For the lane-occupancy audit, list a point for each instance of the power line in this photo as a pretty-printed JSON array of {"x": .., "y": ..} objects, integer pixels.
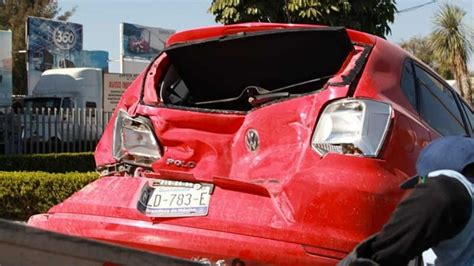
[{"x": 416, "y": 7}]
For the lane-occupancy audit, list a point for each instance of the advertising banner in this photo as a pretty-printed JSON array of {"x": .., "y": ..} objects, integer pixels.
[
  {"x": 95, "y": 59},
  {"x": 5, "y": 68},
  {"x": 134, "y": 66},
  {"x": 51, "y": 44},
  {"x": 141, "y": 44},
  {"x": 114, "y": 86}
]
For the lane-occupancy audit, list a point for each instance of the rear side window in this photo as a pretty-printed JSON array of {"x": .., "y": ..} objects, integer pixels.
[
  {"x": 407, "y": 83},
  {"x": 470, "y": 117},
  {"x": 437, "y": 105}
]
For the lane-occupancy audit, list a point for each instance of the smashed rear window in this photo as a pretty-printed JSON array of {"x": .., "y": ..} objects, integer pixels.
[{"x": 239, "y": 72}]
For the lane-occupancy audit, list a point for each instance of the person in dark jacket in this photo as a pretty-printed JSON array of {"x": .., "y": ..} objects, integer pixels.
[{"x": 438, "y": 214}]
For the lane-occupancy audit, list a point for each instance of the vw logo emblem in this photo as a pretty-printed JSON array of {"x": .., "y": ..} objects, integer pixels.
[{"x": 252, "y": 141}]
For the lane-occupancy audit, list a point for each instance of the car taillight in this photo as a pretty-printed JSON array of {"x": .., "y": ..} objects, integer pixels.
[
  {"x": 134, "y": 139},
  {"x": 352, "y": 126}
]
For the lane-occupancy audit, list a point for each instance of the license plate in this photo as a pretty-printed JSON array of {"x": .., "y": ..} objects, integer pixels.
[{"x": 169, "y": 198}]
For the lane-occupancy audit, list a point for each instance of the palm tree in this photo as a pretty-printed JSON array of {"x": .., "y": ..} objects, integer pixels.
[{"x": 450, "y": 42}]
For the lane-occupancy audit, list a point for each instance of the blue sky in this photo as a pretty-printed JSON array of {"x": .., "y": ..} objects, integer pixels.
[{"x": 101, "y": 19}]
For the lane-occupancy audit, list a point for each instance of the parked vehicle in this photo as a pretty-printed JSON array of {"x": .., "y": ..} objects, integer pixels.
[
  {"x": 57, "y": 92},
  {"x": 72, "y": 87},
  {"x": 1, "y": 74},
  {"x": 275, "y": 144}
]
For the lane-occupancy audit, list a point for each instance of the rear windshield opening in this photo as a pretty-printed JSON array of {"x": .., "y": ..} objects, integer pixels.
[{"x": 240, "y": 72}]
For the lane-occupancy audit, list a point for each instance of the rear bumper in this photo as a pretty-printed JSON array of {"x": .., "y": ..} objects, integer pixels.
[{"x": 185, "y": 242}]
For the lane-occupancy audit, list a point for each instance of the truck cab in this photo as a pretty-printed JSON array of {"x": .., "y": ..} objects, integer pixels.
[
  {"x": 58, "y": 95},
  {"x": 68, "y": 88}
]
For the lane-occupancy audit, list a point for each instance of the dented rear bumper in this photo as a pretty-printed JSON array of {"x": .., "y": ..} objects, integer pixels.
[{"x": 186, "y": 242}]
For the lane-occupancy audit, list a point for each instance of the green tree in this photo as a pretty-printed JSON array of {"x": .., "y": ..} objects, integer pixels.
[
  {"x": 422, "y": 48},
  {"x": 13, "y": 14},
  {"x": 450, "y": 42},
  {"x": 373, "y": 16}
]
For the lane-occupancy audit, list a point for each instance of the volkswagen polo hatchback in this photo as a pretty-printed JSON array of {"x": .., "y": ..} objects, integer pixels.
[{"x": 272, "y": 144}]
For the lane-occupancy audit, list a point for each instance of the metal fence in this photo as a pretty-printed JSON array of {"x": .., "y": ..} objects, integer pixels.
[{"x": 46, "y": 130}]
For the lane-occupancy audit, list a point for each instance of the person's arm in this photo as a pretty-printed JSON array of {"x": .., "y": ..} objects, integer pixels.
[{"x": 435, "y": 211}]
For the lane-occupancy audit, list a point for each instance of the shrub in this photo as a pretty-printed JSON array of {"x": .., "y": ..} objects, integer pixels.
[
  {"x": 52, "y": 163},
  {"x": 23, "y": 194}
]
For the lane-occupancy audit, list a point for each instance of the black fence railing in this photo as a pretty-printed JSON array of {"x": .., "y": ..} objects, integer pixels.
[{"x": 46, "y": 130}]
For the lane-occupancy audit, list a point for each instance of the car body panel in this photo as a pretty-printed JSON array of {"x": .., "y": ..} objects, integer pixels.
[
  {"x": 215, "y": 31},
  {"x": 281, "y": 203},
  {"x": 147, "y": 235}
]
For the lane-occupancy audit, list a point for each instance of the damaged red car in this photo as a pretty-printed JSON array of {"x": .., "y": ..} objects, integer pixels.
[{"x": 275, "y": 144}]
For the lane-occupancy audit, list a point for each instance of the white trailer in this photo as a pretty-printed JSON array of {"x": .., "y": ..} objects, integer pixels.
[
  {"x": 68, "y": 88},
  {"x": 60, "y": 96}
]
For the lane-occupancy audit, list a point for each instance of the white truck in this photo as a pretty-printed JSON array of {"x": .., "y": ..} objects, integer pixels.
[
  {"x": 63, "y": 107},
  {"x": 67, "y": 88}
]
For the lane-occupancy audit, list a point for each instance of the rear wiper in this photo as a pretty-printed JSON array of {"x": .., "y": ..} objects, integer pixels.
[
  {"x": 263, "y": 98},
  {"x": 257, "y": 95},
  {"x": 251, "y": 91}
]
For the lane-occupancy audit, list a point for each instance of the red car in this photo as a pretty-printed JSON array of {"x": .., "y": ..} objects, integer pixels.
[{"x": 275, "y": 144}]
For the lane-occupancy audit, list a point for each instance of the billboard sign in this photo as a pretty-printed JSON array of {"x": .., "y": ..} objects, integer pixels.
[
  {"x": 51, "y": 44},
  {"x": 114, "y": 86},
  {"x": 134, "y": 66},
  {"x": 141, "y": 44},
  {"x": 95, "y": 59},
  {"x": 5, "y": 68}
]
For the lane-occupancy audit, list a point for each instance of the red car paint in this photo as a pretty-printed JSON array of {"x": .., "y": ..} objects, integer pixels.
[{"x": 282, "y": 205}]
